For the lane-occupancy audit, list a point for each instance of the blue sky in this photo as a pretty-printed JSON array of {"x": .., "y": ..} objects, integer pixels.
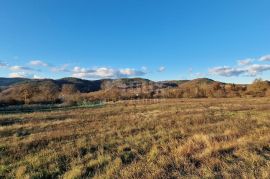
[{"x": 226, "y": 40}]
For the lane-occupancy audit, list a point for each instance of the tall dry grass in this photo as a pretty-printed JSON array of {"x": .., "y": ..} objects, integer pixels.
[{"x": 176, "y": 138}]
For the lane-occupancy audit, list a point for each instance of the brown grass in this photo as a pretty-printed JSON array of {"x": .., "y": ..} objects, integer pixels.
[{"x": 177, "y": 138}]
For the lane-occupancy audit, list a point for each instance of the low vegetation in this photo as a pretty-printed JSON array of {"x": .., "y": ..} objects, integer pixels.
[{"x": 169, "y": 138}]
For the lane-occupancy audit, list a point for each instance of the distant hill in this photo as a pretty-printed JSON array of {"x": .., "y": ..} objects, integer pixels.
[
  {"x": 198, "y": 81},
  {"x": 83, "y": 86},
  {"x": 20, "y": 90},
  {"x": 6, "y": 82},
  {"x": 86, "y": 86}
]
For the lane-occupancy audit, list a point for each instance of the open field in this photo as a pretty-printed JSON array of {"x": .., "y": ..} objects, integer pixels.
[
  {"x": 176, "y": 138},
  {"x": 45, "y": 108}
]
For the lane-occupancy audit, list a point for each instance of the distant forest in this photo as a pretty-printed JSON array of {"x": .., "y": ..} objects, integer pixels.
[{"x": 72, "y": 91}]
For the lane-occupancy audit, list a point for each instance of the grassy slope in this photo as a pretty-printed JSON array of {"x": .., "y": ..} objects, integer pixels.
[{"x": 173, "y": 138}]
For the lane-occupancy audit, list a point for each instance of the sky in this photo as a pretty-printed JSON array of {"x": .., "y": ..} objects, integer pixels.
[{"x": 226, "y": 40}]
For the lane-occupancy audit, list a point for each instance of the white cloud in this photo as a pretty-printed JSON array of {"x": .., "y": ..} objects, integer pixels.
[
  {"x": 22, "y": 74},
  {"x": 131, "y": 72},
  {"x": 21, "y": 68},
  {"x": 37, "y": 77},
  {"x": 17, "y": 75},
  {"x": 38, "y": 63},
  {"x": 244, "y": 62},
  {"x": 105, "y": 72},
  {"x": 256, "y": 69},
  {"x": 80, "y": 70},
  {"x": 265, "y": 58},
  {"x": 21, "y": 71},
  {"x": 127, "y": 71},
  {"x": 250, "y": 70},
  {"x": 226, "y": 71},
  {"x": 245, "y": 67},
  {"x": 161, "y": 69}
]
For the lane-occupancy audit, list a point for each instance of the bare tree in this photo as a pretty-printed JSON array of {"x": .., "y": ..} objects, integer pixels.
[
  {"x": 50, "y": 92},
  {"x": 258, "y": 88},
  {"x": 27, "y": 92}
]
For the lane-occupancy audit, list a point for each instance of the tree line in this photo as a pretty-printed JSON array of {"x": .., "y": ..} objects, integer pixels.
[{"x": 50, "y": 93}]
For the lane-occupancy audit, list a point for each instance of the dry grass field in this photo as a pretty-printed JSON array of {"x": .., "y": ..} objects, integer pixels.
[{"x": 176, "y": 138}]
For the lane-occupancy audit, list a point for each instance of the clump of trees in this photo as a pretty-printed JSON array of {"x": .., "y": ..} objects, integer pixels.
[
  {"x": 69, "y": 94},
  {"x": 258, "y": 88},
  {"x": 31, "y": 93}
]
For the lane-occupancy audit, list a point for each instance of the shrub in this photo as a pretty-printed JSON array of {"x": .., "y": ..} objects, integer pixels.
[{"x": 258, "y": 88}]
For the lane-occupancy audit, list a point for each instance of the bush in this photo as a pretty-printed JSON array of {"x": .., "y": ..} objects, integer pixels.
[{"x": 258, "y": 88}]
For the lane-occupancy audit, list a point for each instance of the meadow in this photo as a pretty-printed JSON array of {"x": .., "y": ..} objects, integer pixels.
[{"x": 172, "y": 138}]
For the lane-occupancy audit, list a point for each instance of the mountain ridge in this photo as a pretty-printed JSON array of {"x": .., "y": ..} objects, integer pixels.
[
  {"x": 23, "y": 90},
  {"x": 5, "y": 81}
]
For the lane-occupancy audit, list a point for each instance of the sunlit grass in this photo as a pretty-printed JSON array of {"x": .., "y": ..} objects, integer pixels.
[{"x": 171, "y": 138}]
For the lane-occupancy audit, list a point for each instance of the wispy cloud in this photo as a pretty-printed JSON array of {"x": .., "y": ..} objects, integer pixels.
[
  {"x": 53, "y": 68},
  {"x": 265, "y": 58},
  {"x": 21, "y": 68},
  {"x": 161, "y": 69},
  {"x": 38, "y": 63},
  {"x": 63, "y": 68},
  {"x": 21, "y": 71},
  {"x": 144, "y": 68},
  {"x": 244, "y": 62}
]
